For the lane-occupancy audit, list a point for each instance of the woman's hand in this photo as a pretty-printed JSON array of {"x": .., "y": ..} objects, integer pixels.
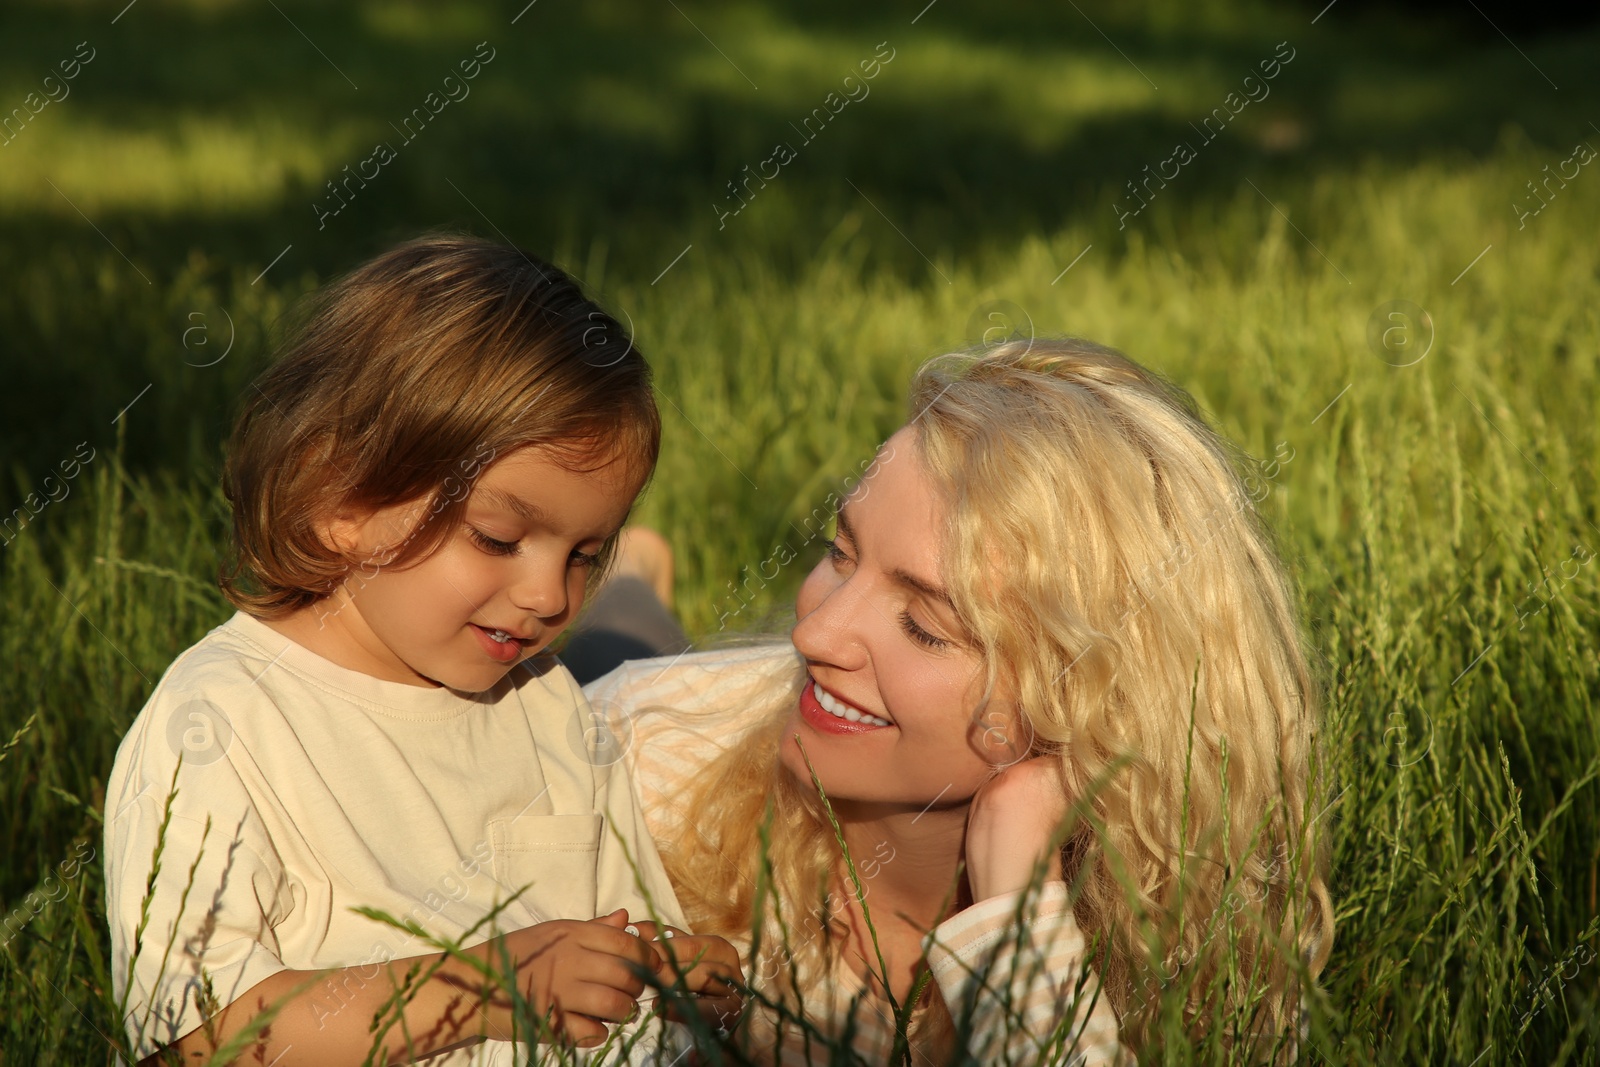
[{"x": 1013, "y": 817}]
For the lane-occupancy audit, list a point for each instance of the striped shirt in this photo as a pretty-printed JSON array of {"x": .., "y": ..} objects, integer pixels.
[{"x": 1010, "y": 969}]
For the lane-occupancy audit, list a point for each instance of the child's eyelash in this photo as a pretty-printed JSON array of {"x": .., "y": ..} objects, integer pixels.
[
  {"x": 510, "y": 548},
  {"x": 492, "y": 546},
  {"x": 918, "y": 634},
  {"x": 835, "y": 553}
]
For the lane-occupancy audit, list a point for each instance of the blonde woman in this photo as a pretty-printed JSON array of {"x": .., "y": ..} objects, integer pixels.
[{"x": 1051, "y": 609}]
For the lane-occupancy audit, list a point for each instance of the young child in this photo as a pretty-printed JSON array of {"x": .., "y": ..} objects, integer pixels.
[{"x": 423, "y": 487}]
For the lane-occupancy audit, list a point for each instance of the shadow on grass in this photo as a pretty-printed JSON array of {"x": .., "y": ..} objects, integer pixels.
[{"x": 140, "y": 212}]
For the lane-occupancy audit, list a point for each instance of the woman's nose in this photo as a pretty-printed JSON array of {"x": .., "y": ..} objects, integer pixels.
[{"x": 828, "y": 629}]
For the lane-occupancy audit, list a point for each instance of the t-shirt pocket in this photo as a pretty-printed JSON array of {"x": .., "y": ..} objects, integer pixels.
[{"x": 558, "y": 854}]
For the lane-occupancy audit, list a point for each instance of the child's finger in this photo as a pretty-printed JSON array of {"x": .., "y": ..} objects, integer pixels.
[
  {"x": 710, "y": 977},
  {"x": 612, "y": 972},
  {"x": 709, "y": 967},
  {"x": 650, "y": 934},
  {"x": 675, "y": 946},
  {"x": 705, "y": 955},
  {"x": 601, "y": 1001},
  {"x": 581, "y": 1029},
  {"x": 576, "y": 1026},
  {"x": 603, "y": 937}
]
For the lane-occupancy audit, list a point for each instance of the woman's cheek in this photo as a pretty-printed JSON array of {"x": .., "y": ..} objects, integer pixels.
[
  {"x": 941, "y": 741},
  {"x": 942, "y": 772}
]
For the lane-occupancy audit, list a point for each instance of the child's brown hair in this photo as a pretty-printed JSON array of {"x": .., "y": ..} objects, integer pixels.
[{"x": 407, "y": 377}]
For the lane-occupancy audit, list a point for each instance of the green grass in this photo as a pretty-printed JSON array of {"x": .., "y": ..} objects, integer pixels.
[{"x": 1432, "y": 511}]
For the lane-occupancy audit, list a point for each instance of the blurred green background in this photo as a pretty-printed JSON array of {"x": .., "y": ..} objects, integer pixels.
[
  {"x": 198, "y": 139},
  {"x": 162, "y": 215}
]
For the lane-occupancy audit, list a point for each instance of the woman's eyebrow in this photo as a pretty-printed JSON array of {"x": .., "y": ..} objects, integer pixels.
[
  {"x": 899, "y": 574},
  {"x": 923, "y": 586}
]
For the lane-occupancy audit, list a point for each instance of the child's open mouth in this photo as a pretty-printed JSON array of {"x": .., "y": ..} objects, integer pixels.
[{"x": 499, "y": 645}]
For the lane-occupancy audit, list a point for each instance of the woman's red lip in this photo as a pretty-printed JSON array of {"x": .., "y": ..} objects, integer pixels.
[{"x": 822, "y": 720}]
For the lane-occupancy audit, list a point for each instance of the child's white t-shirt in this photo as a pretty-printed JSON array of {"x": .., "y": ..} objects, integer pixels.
[{"x": 327, "y": 789}]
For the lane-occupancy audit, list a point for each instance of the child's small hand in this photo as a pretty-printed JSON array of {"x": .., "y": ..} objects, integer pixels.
[
  {"x": 709, "y": 967},
  {"x": 577, "y": 973}
]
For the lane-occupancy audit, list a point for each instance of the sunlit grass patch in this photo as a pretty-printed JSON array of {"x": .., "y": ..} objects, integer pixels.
[{"x": 188, "y": 161}]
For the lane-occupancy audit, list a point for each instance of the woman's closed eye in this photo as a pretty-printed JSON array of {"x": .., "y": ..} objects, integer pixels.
[
  {"x": 918, "y": 634},
  {"x": 835, "y": 553},
  {"x": 839, "y": 557}
]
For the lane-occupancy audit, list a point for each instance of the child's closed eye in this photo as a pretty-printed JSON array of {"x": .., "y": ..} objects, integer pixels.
[
  {"x": 491, "y": 545},
  {"x": 496, "y": 547}
]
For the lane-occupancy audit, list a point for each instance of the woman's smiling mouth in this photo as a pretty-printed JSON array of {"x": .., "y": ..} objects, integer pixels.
[{"x": 830, "y": 714}]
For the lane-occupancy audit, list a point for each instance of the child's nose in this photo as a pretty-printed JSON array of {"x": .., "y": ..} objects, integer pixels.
[{"x": 542, "y": 590}]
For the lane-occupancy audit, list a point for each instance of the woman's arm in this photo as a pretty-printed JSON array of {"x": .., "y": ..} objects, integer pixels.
[
  {"x": 1013, "y": 967},
  {"x": 1014, "y": 975}
]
